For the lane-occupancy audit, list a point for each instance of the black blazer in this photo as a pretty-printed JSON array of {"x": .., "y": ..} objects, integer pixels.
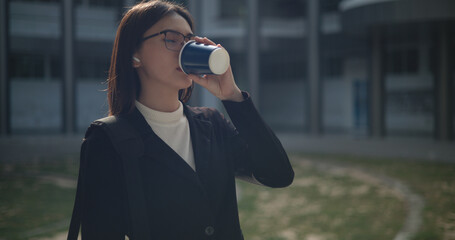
[{"x": 181, "y": 203}]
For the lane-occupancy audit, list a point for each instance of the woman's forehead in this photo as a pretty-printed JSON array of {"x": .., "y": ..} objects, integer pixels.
[{"x": 172, "y": 21}]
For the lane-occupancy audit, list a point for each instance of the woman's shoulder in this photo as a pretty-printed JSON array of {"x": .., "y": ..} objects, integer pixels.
[
  {"x": 96, "y": 139},
  {"x": 98, "y": 154}
]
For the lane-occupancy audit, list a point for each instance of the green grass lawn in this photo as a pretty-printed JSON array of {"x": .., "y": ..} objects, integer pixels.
[
  {"x": 434, "y": 181},
  {"x": 31, "y": 207},
  {"x": 321, "y": 206},
  {"x": 318, "y": 206}
]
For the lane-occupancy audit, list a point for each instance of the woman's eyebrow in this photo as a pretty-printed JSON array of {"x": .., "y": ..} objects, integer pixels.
[{"x": 168, "y": 29}]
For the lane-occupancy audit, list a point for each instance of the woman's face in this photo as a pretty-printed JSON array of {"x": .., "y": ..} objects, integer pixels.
[{"x": 159, "y": 66}]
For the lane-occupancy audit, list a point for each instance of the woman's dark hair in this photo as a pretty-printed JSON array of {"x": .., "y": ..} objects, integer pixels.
[{"x": 123, "y": 80}]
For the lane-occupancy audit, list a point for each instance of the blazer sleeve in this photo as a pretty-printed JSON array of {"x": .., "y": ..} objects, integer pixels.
[
  {"x": 103, "y": 202},
  {"x": 258, "y": 154}
]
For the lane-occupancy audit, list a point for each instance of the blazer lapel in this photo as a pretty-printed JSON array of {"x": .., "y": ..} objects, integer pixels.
[
  {"x": 201, "y": 137},
  {"x": 156, "y": 149}
]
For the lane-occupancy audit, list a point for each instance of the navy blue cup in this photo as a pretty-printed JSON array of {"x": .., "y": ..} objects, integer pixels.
[{"x": 199, "y": 58}]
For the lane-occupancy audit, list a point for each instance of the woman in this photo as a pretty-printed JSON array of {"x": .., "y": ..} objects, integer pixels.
[{"x": 191, "y": 154}]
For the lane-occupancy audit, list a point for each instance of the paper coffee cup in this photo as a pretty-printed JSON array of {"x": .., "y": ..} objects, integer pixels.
[{"x": 199, "y": 58}]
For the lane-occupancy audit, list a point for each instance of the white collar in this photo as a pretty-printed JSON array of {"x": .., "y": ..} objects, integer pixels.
[{"x": 160, "y": 117}]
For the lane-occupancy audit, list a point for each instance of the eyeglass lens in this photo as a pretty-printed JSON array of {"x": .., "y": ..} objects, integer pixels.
[{"x": 174, "y": 41}]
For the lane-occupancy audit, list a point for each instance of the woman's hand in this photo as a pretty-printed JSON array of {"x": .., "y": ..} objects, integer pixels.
[{"x": 222, "y": 86}]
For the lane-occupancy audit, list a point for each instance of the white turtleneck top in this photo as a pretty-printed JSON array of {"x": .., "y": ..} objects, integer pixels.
[{"x": 173, "y": 129}]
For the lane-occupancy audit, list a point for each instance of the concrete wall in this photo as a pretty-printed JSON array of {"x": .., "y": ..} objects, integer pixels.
[
  {"x": 37, "y": 105},
  {"x": 91, "y": 100},
  {"x": 283, "y": 104}
]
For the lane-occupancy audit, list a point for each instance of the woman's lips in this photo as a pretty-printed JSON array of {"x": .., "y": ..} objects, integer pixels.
[{"x": 179, "y": 69}]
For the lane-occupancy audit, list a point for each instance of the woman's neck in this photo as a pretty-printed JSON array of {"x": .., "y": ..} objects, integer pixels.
[{"x": 159, "y": 98}]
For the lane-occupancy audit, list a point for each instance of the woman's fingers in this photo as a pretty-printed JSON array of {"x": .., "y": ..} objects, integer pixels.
[
  {"x": 211, "y": 83},
  {"x": 198, "y": 39},
  {"x": 209, "y": 41},
  {"x": 204, "y": 40}
]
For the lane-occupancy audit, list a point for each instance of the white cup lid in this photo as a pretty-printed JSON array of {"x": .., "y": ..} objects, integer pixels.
[{"x": 219, "y": 61}]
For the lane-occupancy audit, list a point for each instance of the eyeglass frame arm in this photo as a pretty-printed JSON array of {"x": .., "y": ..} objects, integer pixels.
[{"x": 165, "y": 31}]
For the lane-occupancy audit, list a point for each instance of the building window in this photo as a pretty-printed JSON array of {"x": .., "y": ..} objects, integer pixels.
[
  {"x": 35, "y": 67},
  {"x": 98, "y": 3},
  {"x": 329, "y": 5},
  {"x": 402, "y": 61},
  {"x": 283, "y": 9},
  {"x": 92, "y": 68},
  {"x": 29, "y": 66},
  {"x": 233, "y": 9},
  {"x": 332, "y": 67},
  {"x": 287, "y": 9},
  {"x": 280, "y": 66},
  {"x": 37, "y": 1}
]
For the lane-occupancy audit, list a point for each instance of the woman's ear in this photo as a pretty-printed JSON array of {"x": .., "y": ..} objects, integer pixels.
[{"x": 136, "y": 62}]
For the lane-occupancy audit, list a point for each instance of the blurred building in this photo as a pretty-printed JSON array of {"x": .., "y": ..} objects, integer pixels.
[{"x": 379, "y": 68}]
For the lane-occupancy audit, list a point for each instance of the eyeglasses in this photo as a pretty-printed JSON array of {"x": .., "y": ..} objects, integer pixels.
[{"x": 173, "y": 40}]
